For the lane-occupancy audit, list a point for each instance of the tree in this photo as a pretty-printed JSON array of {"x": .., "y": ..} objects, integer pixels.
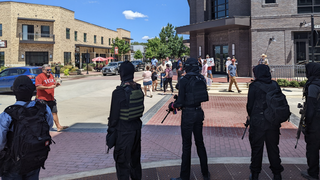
[
  {"x": 123, "y": 47},
  {"x": 153, "y": 46},
  {"x": 149, "y": 54},
  {"x": 163, "y": 52},
  {"x": 138, "y": 55}
]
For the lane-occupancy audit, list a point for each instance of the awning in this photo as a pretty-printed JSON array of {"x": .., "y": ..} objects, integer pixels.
[
  {"x": 216, "y": 25},
  {"x": 85, "y": 45}
]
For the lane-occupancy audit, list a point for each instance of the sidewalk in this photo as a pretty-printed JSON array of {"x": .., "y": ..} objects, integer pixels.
[{"x": 79, "y": 155}]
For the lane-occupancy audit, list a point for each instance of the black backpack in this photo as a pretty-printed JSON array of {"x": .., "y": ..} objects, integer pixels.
[
  {"x": 28, "y": 145},
  {"x": 196, "y": 90},
  {"x": 278, "y": 110}
]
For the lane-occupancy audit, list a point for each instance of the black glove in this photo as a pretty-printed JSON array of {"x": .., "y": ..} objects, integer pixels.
[{"x": 170, "y": 107}]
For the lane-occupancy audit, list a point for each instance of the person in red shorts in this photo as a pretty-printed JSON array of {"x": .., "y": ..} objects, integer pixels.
[{"x": 45, "y": 84}]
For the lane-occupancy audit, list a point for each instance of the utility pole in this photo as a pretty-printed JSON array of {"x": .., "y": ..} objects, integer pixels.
[{"x": 311, "y": 39}]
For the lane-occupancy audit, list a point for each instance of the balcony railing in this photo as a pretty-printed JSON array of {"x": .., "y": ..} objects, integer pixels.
[{"x": 36, "y": 38}]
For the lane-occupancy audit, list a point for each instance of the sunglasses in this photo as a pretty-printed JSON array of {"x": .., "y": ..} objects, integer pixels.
[{"x": 48, "y": 70}]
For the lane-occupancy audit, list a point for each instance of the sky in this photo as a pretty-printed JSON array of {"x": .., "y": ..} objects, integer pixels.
[{"x": 144, "y": 18}]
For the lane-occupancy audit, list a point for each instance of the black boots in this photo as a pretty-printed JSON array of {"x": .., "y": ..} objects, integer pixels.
[
  {"x": 277, "y": 177},
  {"x": 254, "y": 176}
]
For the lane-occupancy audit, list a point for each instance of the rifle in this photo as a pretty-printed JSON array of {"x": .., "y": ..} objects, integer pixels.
[
  {"x": 302, "y": 123},
  {"x": 168, "y": 110},
  {"x": 246, "y": 125}
]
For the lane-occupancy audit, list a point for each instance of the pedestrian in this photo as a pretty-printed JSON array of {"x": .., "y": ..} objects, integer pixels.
[
  {"x": 189, "y": 100},
  {"x": 204, "y": 70},
  {"x": 154, "y": 61},
  {"x": 210, "y": 63},
  {"x": 154, "y": 78},
  {"x": 45, "y": 85},
  {"x": 227, "y": 65},
  {"x": 263, "y": 60},
  {"x": 200, "y": 64},
  {"x": 161, "y": 68},
  {"x": 262, "y": 130},
  {"x": 169, "y": 75},
  {"x": 147, "y": 81},
  {"x": 14, "y": 132},
  {"x": 124, "y": 126},
  {"x": 312, "y": 117},
  {"x": 168, "y": 61},
  {"x": 180, "y": 72},
  {"x": 57, "y": 72},
  {"x": 232, "y": 72}
]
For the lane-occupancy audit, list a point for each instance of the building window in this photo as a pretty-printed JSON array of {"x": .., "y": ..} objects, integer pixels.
[
  {"x": 1, "y": 59},
  {"x": 0, "y": 29},
  {"x": 67, "y": 58},
  {"x": 45, "y": 31},
  {"x": 270, "y": 1},
  {"x": 303, "y": 48},
  {"x": 308, "y": 6},
  {"x": 109, "y": 41},
  {"x": 85, "y": 37},
  {"x": 95, "y": 39},
  {"x": 76, "y": 36},
  {"x": 68, "y": 33},
  {"x": 220, "y": 9},
  {"x": 101, "y": 40}
]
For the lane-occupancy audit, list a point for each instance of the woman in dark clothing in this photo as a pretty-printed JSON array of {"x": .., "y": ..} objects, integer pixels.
[
  {"x": 168, "y": 77},
  {"x": 261, "y": 130}
]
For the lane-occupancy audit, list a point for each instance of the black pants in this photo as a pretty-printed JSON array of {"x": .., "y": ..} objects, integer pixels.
[
  {"x": 192, "y": 122},
  {"x": 257, "y": 139},
  {"x": 313, "y": 146},
  {"x": 127, "y": 155},
  {"x": 168, "y": 80},
  {"x": 227, "y": 77}
]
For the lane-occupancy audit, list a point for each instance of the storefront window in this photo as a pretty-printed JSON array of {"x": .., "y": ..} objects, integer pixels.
[
  {"x": 270, "y": 1},
  {"x": 1, "y": 59},
  {"x": 45, "y": 31},
  {"x": 220, "y": 9},
  {"x": 308, "y": 6},
  {"x": 67, "y": 58}
]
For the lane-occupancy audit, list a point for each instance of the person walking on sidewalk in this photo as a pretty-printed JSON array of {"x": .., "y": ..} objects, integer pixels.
[
  {"x": 57, "y": 72},
  {"x": 227, "y": 66},
  {"x": 154, "y": 78},
  {"x": 161, "y": 68},
  {"x": 45, "y": 85},
  {"x": 262, "y": 130},
  {"x": 312, "y": 119},
  {"x": 232, "y": 72},
  {"x": 169, "y": 75},
  {"x": 124, "y": 126},
  {"x": 147, "y": 81},
  {"x": 23, "y": 89},
  {"x": 192, "y": 91}
]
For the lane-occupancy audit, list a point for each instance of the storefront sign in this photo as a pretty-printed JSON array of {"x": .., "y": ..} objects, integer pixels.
[
  {"x": 3, "y": 44},
  {"x": 116, "y": 50}
]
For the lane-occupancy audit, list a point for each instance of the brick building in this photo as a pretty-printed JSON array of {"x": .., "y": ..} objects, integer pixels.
[
  {"x": 33, "y": 34},
  {"x": 248, "y": 28}
]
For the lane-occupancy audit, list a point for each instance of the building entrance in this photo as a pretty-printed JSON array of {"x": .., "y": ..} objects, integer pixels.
[
  {"x": 36, "y": 58},
  {"x": 220, "y": 57}
]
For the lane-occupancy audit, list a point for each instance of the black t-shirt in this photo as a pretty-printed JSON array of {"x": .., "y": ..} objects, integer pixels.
[
  {"x": 57, "y": 70},
  {"x": 154, "y": 76},
  {"x": 180, "y": 72}
]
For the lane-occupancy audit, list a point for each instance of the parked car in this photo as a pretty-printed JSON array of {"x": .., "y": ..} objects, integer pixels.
[
  {"x": 8, "y": 76},
  {"x": 111, "y": 68},
  {"x": 138, "y": 64}
]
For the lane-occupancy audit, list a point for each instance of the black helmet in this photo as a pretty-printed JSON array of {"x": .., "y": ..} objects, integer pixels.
[
  {"x": 126, "y": 71},
  {"x": 23, "y": 88},
  {"x": 191, "y": 65}
]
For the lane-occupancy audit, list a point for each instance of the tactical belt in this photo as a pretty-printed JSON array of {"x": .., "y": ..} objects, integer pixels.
[{"x": 191, "y": 108}]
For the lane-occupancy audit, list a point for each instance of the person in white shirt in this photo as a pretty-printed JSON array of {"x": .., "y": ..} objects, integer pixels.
[
  {"x": 168, "y": 62},
  {"x": 227, "y": 65}
]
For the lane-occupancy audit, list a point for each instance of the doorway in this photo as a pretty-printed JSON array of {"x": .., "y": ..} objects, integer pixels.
[
  {"x": 36, "y": 58},
  {"x": 27, "y": 32},
  {"x": 220, "y": 57}
]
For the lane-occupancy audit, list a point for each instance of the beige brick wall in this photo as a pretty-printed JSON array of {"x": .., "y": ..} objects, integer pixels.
[{"x": 63, "y": 19}]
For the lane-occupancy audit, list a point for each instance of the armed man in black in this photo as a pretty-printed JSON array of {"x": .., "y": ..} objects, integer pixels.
[
  {"x": 262, "y": 130},
  {"x": 192, "y": 91},
  {"x": 124, "y": 126},
  {"x": 312, "y": 118}
]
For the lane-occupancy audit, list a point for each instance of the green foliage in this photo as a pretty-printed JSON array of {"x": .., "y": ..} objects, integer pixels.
[
  {"x": 90, "y": 67},
  {"x": 163, "y": 51},
  {"x": 149, "y": 53},
  {"x": 302, "y": 83},
  {"x": 3, "y": 68},
  {"x": 66, "y": 72},
  {"x": 294, "y": 84},
  {"x": 123, "y": 47},
  {"x": 283, "y": 82},
  {"x": 138, "y": 55},
  {"x": 138, "y": 43}
]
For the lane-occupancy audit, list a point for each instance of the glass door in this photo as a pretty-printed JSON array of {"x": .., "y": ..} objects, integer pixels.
[{"x": 220, "y": 57}]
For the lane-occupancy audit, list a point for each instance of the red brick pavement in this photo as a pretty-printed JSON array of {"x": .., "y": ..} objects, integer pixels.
[{"x": 223, "y": 128}]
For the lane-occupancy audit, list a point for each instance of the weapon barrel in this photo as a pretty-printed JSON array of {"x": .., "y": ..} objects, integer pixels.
[{"x": 165, "y": 116}]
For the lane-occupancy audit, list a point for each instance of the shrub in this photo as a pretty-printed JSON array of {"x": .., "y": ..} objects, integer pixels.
[
  {"x": 66, "y": 72},
  {"x": 85, "y": 67},
  {"x": 286, "y": 83},
  {"x": 280, "y": 82},
  {"x": 302, "y": 83},
  {"x": 294, "y": 84},
  {"x": 3, "y": 68}
]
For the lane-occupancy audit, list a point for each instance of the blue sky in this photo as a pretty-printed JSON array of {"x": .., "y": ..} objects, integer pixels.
[{"x": 144, "y": 18}]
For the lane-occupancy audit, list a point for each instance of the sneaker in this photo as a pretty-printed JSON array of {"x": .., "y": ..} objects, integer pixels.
[
  {"x": 230, "y": 91},
  {"x": 307, "y": 176},
  {"x": 277, "y": 177},
  {"x": 207, "y": 177},
  {"x": 239, "y": 91},
  {"x": 151, "y": 96}
]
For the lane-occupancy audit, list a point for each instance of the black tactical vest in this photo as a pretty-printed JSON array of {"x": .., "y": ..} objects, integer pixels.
[{"x": 134, "y": 107}]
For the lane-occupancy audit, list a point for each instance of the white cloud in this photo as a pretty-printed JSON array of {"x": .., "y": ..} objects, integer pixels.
[
  {"x": 128, "y": 14},
  {"x": 146, "y": 37},
  {"x": 146, "y": 19}
]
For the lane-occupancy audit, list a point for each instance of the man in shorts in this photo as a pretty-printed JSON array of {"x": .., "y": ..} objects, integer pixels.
[{"x": 45, "y": 85}]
